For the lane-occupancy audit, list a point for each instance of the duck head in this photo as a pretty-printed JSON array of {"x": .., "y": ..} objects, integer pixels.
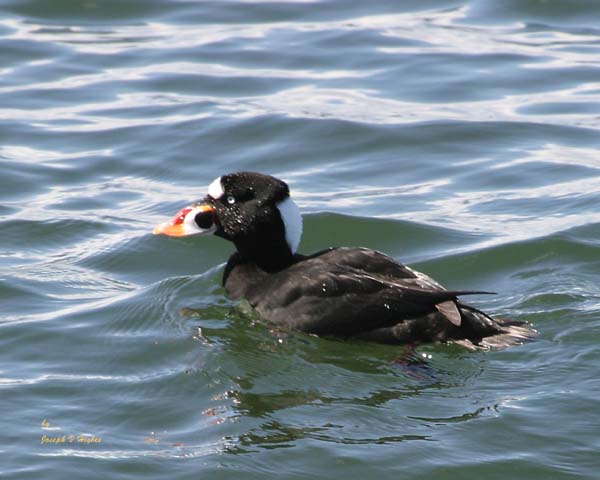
[{"x": 252, "y": 210}]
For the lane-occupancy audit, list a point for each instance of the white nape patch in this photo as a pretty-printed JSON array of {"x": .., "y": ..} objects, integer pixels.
[
  {"x": 215, "y": 189},
  {"x": 292, "y": 221}
]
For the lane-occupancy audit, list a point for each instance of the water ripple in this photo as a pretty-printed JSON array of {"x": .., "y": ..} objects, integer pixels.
[{"x": 460, "y": 137}]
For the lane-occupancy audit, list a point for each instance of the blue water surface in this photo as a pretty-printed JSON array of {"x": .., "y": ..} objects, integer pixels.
[{"x": 461, "y": 137}]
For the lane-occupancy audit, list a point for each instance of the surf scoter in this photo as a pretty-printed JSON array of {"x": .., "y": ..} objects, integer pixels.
[{"x": 345, "y": 292}]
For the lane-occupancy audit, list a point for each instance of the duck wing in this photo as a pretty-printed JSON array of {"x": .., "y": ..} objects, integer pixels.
[{"x": 348, "y": 291}]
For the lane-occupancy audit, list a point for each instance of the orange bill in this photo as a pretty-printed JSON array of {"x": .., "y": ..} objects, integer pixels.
[{"x": 176, "y": 227}]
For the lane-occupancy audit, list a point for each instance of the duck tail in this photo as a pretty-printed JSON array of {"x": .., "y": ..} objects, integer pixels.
[
  {"x": 487, "y": 333},
  {"x": 515, "y": 333}
]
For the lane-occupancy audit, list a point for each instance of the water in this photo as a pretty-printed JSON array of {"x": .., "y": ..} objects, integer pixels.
[{"x": 459, "y": 137}]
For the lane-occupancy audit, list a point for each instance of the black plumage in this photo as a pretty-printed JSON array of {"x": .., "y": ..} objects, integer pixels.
[{"x": 345, "y": 292}]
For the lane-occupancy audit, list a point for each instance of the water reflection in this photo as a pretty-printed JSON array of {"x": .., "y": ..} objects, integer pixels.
[{"x": 281, "y": 382}]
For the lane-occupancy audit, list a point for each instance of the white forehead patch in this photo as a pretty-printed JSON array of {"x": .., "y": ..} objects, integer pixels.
[
  {"x": 292, "y": 220},
  {"x": 215, "y": 189}
]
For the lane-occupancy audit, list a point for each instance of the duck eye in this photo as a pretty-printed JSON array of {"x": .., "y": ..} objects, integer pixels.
[{"x": 230, "y": 199}]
